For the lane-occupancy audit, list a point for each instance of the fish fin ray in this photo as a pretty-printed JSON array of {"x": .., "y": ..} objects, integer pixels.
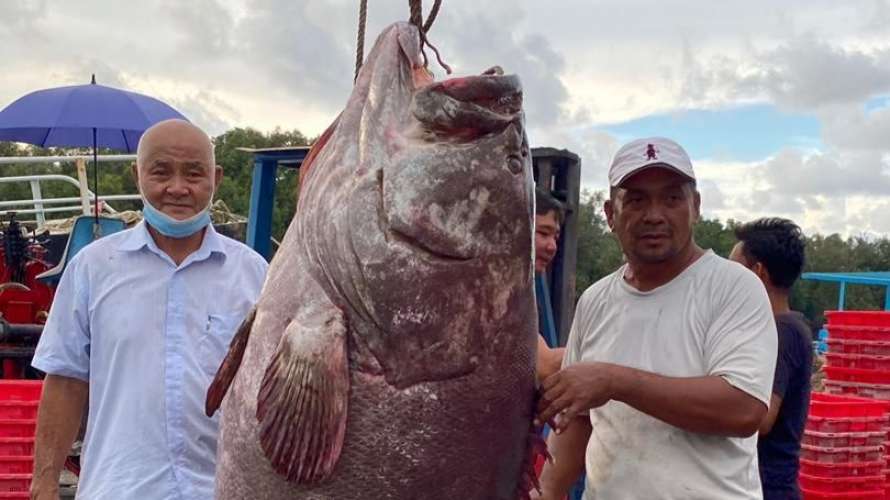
[
  {"x": 229, "y": 366},
  {"x": 302, "y": 401}
]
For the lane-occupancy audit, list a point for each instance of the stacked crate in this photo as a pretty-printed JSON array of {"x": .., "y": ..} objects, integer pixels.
[
  {"x": 842, "y": 454},
  {"x": 858, "y": 364},
  {"x": 18, "y": 420}
]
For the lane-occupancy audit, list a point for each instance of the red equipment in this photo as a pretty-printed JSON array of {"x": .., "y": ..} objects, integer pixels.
[{"x": 24, "y": 301}]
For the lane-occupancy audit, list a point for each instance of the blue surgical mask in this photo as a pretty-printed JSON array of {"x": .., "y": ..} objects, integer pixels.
[{"x": 174, "y": 228}]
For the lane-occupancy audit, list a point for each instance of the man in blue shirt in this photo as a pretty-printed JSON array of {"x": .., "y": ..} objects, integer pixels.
[
  {"x": 140, "y": 322},
  {"x": 774, "y": 250}
]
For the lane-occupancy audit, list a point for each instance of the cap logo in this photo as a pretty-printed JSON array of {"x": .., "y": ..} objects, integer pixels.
[{"x": 651, "y": 152}]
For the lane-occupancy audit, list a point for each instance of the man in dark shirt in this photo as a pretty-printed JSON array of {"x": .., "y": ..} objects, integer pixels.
[{"x": 774, "y": 250}]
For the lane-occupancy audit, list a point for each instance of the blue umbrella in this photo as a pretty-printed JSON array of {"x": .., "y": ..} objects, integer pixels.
[{"x": 83, "y": 116}]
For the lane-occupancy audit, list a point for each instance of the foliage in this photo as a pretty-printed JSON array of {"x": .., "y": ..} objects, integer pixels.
[
  {"x": 116, "y": 178},
  {"x": 598, "y": 251},
  {"x": 599, "y": 255}
]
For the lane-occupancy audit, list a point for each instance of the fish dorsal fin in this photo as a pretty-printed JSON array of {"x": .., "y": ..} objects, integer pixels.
[
  {"x": 302, "y": 400},
  {"x": 316, "y": 149},
  {"x": 229, "y": 366}
]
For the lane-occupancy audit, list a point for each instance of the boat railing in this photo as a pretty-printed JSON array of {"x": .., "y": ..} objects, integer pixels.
[{"x": 39, "y": 205}]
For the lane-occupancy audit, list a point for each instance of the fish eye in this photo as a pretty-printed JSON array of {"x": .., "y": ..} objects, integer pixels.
[{"x": 514, "y": 164}]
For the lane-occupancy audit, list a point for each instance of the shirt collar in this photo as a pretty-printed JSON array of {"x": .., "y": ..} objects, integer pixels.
[{"x": 139, "y": 238}]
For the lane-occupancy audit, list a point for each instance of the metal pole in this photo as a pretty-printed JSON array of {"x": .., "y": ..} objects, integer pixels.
[
  {"x": 842, "y": 296},
  {"x": 23, "y": 160},
  {"x": 95, "y": 175},
  {"x": 262, "y": 205},
  {"x": 82, "y": 181},
  {"x": 37, "y": 196}
]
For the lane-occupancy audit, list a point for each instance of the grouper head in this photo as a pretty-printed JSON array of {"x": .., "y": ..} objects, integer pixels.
[
  {"x": 428, "y": 210},
  {"x": 460, "y": 189}
]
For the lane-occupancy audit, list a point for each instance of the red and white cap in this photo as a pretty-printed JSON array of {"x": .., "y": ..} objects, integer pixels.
[{"x": 646, "y": 153}]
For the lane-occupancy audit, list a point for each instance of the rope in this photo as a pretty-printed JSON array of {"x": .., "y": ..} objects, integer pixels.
[
  {"x": 416, "y": 18},
  {"x": 416, "y": 7},
  {"x": 432, "y": 16},
  {"x": 360, "y": 43}
]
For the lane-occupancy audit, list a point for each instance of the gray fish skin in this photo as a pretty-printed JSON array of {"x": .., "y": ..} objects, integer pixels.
[{"x": 403, "y": 294}]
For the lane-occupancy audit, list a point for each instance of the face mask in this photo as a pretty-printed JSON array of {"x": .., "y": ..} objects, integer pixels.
[{"x": 174, "y": 228}]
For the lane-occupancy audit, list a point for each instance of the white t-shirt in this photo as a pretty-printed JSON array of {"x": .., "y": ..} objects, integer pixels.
[{"x": 712, "y": 319}]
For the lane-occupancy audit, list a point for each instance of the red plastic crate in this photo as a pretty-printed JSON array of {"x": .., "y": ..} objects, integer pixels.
[
  {"x": 841, "y": 484},
  {"x": 848, "y": 495},
  {"x": 11, "y": 427},
  {"x": 863, "y": 318},
  {"x": 16, "y": 446},
  {"x": 857, "y": 375},
  {"x": 20, "y": 390},
  {"x": 859, "y": 389},
  {"x": 852, "y": 424},
  {"x": 18, "y": 409},
  {"x": 15, "y": 482},
  {"x": 842, "y": 469},
  {"x": 848, "y": 332},
  {"x": 18, "y": 495},
  {"x": 864, "y": 361},
  {"x": 16, "y": 465},
  {"x": 841, "y": 455},
  {"x": 844, "y": 439},
  {"x": 870, "y": 347},
  {"x": 830, "y": 405}
]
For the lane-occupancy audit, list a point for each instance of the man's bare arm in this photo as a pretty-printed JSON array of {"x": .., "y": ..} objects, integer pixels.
[
  {"x": 58, "y": 421},
  {"x": 775, "y": 404},
  {"x": 567, "y": 449},
  {"x": 708, "y": 405},
  {"x": 549, "y": 360}
]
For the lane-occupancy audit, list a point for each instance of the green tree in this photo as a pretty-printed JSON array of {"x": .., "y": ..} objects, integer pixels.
[{"x": 238, "y": 168}]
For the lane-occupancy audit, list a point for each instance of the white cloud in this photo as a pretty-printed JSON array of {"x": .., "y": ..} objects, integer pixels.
[{"x": 268, "y": 63}]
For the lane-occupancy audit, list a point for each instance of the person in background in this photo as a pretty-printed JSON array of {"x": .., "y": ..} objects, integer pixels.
[
  {"x": 773, "y": 249},
  {"x": 140, "y": 323},
  {"x": 670, "y": 360},
  {"x": 549, "y": 217}
]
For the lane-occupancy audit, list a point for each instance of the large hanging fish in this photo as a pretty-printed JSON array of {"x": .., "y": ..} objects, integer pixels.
[{"x": 392, "y": 352}]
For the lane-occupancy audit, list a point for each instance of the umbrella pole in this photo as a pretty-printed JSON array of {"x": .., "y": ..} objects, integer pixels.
[{"x": 95, "y": 179}]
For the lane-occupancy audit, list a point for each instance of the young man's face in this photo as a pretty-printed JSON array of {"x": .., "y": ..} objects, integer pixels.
[
  {"x": 738, "y": 255},
  {"x": 546, "y": 239}
]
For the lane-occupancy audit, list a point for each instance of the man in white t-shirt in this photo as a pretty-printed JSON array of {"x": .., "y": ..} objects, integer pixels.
[{"x": 669, "y": 364}]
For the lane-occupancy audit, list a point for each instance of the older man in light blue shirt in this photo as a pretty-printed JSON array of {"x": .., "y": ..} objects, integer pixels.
[{"x": 140, "y": 322}]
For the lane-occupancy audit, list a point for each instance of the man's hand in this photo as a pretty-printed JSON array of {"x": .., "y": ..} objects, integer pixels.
[{"x": 573, "y": 391}]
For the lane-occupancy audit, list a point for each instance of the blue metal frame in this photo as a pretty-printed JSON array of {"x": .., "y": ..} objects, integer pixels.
[
  {"x": 262, "y": 192},
  {"x": 871, "y": 278}
]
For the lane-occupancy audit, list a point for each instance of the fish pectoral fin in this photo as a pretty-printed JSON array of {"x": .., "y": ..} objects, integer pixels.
[
  {"x": 302, "y": 401},
  {"x": 229, "y": 366}
]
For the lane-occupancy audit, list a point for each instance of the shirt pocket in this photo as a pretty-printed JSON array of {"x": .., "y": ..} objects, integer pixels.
[{"x": 215, "y": 340}]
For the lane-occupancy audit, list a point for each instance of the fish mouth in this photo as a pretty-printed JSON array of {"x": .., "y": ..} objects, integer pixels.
[
  {"x": 494, "y": 92},
  {"x": 464, "y": 109}
]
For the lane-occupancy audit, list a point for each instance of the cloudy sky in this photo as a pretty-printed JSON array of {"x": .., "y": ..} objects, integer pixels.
[{"x": 784, "y": 106}]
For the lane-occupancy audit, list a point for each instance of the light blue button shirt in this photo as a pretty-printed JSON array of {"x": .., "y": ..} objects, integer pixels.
[{"x": 148, "y": 336}]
